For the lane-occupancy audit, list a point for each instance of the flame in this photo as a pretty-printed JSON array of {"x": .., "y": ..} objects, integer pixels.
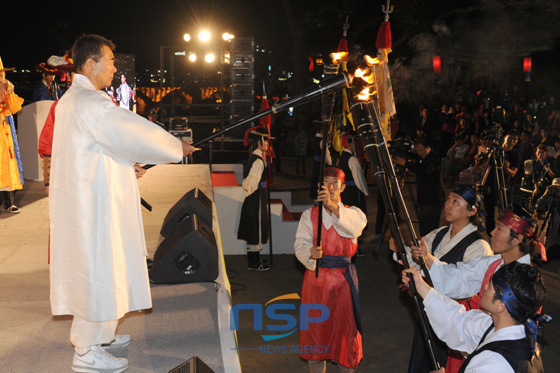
[
  {"x": 372, "y": 61},
  {"x": 338, "y": 57},
  {"x": 366, "y": 75},
  {"x": 365, "y": 94}
]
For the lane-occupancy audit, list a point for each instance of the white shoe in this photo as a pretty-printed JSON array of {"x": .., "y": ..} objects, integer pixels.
[
  {"x": 97, "y": 360},
  {"x": 119, "y": 342}
]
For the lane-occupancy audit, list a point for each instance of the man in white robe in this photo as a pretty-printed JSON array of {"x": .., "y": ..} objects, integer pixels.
[
  {"x": 502, "y": 339},
  {"x": 98, "y": 269}
]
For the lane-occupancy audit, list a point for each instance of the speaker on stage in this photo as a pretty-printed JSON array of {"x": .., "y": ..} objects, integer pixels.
[
  {"x": 188, "y": 254},
  {"x": 193, "y": 202},
  {"x": 193, "y": 365}
]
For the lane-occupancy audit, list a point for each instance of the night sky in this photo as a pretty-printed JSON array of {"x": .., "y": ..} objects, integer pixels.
[
  {"x": 474, "y": 41},
  {"x": 32, "y": 33}
]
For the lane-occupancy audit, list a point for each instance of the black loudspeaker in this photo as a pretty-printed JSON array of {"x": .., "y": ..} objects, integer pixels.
[
  {"x": 193, "y": 365},
  {"x": 194, "y": 202},
  {"x": 188, "y": 254}
]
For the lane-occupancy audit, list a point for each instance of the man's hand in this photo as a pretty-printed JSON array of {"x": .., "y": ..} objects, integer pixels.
[
  {"x": 421, "y": 286},
  {"x": 139, "y": 171},
  {"x": 422, "y": 251},
  {"x": 316, "y": 252},
  {"x": 187, "y": 148},
  {"x": 393, "y": 245},
  {"x": 323, "y": 195},
  {"x": 400, "y": 161}
]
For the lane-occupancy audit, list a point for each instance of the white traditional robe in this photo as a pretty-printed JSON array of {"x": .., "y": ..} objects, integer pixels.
[
  {"x": 462, "y": 330},
  {"x": 476, "y": 249},
  {"x": 98, "y": 266},
  {"x": 464, "y": 279}
]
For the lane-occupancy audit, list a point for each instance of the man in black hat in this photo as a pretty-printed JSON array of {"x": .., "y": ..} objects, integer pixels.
[
  {"x": 253, "y": 222},
  {"x": 47, "y": 89}
]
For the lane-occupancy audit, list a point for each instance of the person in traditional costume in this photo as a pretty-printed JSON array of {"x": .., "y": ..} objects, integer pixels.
[
  {"x": 58, "y": 65},
  {"x": 253, "y": 221},
  {"x": 47, "y": 89},
  {"x": 11, "y": 168},
  {"x": 98, "y": 269},
  {"x": 502, "y": 336},
  {"x": 336, "y": 286},
  {"x": 457, "y": 242},
  {"x": 356, "y": 189}
]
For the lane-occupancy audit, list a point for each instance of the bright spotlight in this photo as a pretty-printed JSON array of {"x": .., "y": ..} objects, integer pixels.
[
  {"x": 187, "y": 37},
  {"x": 227, "y": 36},
  {"x": 204, "y": 36},
  {"x": 209, "y": 57},
  {"x": 192, "y": 57}
]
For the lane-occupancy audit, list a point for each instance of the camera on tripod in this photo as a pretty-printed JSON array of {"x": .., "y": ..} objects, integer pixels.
[{"x": 402, "y": 147}]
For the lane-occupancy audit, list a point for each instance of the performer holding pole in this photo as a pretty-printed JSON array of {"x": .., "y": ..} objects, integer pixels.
[
  {"x": 336, "y": 286},
  {"x": 253, "y": 223}
]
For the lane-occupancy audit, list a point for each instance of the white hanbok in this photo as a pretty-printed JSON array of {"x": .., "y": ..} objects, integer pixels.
[
  {"x": 462, "y": 331},
  {"x": 464, "y": 279},
  {"x": 98, "y": 267}
]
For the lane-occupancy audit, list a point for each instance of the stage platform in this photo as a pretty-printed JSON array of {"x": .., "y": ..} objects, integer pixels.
[{"x": 186, "y": 320}]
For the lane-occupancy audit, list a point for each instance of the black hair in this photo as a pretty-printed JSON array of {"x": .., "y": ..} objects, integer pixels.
[
  {"x": 89, "y": 46},
  {"x": 527, "y": 245},
  {"x": 527, "y": 284},
  {"x": 421, "y": 140}
]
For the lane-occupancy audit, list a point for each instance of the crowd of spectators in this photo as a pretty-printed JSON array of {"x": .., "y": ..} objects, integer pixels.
[{"x": 463, "y": 136}]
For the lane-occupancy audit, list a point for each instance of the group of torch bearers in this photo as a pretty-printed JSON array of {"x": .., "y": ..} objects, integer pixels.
[{"x": 478, "y": 304}]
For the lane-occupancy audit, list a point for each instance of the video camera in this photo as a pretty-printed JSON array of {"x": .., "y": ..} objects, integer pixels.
[{"x": 402, "y": 147}]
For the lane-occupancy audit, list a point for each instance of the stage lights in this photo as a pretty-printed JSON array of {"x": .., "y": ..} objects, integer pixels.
[
  {"x": 210, "y": 48},
  {"x": 204, "y": 36}
]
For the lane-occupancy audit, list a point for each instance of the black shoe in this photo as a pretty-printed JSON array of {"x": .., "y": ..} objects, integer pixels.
[{"x": 261, "y": 266}]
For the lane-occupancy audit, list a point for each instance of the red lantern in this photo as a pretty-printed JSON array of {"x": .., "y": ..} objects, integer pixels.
[
  {"x": 527, "y": 68},
  {"x": 527, "y": 64},
  {"x": 437, "y": 64}
]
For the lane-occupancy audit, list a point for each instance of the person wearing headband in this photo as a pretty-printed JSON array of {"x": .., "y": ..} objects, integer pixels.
[
  {"x": 502, "y": 336},
  {"x": 336, "y": 285},
  {"x": 253, "y": 223},
  {"x": 513, "y": 239},
  {"x": 457, "y": 242}
]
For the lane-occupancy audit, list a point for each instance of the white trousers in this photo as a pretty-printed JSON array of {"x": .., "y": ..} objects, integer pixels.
[{"x": 85, "y": 334}]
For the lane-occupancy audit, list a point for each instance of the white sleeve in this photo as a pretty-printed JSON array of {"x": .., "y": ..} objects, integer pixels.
[
  {"x": 489, "y": 361},
  {"x": 461, "y": 280},
  {"x": 251, "y": 182},
  {"x": 304, "y": 241},
  {"x": 351, "y": 223},
  {"x": 478, "y": 248},
  {"x": 358, "y": 175},
  {"x": 129, "y": 135},
  {"x": 460, "y": 329}
]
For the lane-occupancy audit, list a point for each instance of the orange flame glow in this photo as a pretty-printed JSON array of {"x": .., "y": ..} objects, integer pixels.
[
  {"x": 339, "y": 56},
  {"x": 365, "y": 94},
  {"x": 372, "y": 60},
  {"x": 366, "y": 75}
]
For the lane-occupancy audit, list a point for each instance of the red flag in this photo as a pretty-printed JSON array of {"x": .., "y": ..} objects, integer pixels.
[{"x": 384, "y": 36}]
